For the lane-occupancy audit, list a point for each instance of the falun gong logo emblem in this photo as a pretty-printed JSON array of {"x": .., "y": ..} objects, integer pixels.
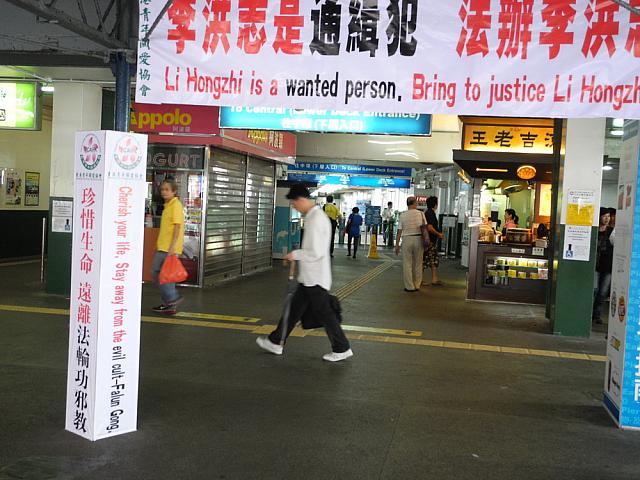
[
  {"x": 127, "y": 153},
  {"x": 90, "y": 151}
]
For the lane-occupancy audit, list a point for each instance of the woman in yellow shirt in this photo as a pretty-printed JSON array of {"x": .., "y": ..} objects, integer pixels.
[{"x": 170, "y": 242}]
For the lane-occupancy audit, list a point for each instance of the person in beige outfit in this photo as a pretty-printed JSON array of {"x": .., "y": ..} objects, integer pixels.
[{"x": 412, "y": 246}]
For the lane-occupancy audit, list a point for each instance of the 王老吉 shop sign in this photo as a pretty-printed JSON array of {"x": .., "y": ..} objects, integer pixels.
[
  {"x": 19, "y": 106},
  {"x": 326, "y": 121}
]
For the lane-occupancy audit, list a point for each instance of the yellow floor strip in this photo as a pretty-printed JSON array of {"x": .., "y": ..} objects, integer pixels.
[
  {"x": 213, "y": 316},
  {"x": 401, "y": 339}
]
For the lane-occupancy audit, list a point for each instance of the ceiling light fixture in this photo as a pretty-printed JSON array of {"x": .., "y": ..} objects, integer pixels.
[
  {"x": 495, "y": 170},
  {"x": 607, "y": 168},
  {"x": 526, "y": 172},
  {"x": 618, "y": 122},
  {"x": 616, "y": 133},
  {"x": 47, "y": 88},
  {"x": 403, "y": 154},
  {"x": 390, "y": 142}
]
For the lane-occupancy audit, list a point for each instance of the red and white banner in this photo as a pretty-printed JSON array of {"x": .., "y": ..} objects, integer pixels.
[
  {"x": 558, "y": 58},
  {"x": 104, "y": 333}
]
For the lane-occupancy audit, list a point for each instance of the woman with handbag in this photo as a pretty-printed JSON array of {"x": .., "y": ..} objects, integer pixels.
[
  {"x": 410, "y": 231},
  {"x": 353, "y": 231},
  {"x": 170, "y": 242},
  {"x": 432, "y": 257}
]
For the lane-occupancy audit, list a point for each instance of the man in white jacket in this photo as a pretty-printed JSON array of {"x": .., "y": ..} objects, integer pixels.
[{"x": 314, "y": 278}]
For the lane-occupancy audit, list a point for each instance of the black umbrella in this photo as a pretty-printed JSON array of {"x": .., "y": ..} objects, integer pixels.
[{"x": 292, "y": 286}]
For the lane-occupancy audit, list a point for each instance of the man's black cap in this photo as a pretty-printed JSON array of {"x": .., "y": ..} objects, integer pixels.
[{"x": 298, "y": 191}]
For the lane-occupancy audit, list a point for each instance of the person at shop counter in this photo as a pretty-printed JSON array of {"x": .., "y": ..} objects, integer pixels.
[
  {"x": 604, "y": 263},
  {"x": 170, "y": 242},
  {"x": 431, "y": 256},
  {"x": 353, "y": 231},
  {"x": 510, "y": 220}
]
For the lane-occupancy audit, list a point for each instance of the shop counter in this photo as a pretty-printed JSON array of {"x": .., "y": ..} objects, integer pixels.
[{"x": 508, "y": 273}]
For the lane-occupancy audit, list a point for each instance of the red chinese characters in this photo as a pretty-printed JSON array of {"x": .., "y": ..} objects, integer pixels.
[
  {"x": 288, "y": 24},
  {"x": 251, "y": 33},
  {"x": 476, "y": 20},
  {"x": 602, "y": 28},
  {"x": 633, "y": 39},
  {"x": 557, "y": 15},
  {"x": 218, "y": 27},
  {"x": 515, "y": 17},
  {"x": 181, "y": 13}
]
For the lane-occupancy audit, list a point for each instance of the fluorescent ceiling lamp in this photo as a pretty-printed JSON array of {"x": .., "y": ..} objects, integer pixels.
[
  {"x": 618, "y": 122},
  {"x": 607, "y": 168},
  {"x": 495, "y": 170},
  {"x": 403, "y": 154},
  {"x": 616, "y": 133},
  {"x": 47, "y": 88},
  {"x": 390, "y": 142}
]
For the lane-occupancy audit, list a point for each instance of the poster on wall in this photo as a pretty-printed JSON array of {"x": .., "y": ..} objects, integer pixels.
[
  {"x": 12, "y": 187},
  {"x": 31, "y": 189},
  {"x": 577, "y": 243},
  {"x": 541, "y": 59}
]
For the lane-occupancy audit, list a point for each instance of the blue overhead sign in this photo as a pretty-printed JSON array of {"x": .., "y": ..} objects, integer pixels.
[
  {"x": 327, "y": 121},
  {"x": 349, "y": 181},
  {"x": 337, "y": 168}
]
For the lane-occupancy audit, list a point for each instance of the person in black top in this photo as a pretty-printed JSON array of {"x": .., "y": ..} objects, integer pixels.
[
  {"x": 604, "y": 262},
  {"x": 431, "y": 256}
]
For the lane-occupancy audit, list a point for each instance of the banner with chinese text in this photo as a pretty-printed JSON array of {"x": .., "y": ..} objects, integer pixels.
[
  {"x": 552, "y": 58},
  {"x": 104, "y": 335}
]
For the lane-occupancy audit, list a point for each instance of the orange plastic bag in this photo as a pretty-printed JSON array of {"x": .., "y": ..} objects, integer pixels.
[{"x": 172, "y": 271}]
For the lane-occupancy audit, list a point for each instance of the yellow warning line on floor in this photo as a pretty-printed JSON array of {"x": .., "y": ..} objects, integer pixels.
[
  {"x": 358, "y": 283},
  {"x": 403, "y": 338},
  {"x": 145, "y": 318}
]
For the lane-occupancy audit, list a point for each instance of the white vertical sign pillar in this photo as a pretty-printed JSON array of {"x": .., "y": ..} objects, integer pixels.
[
  {"x": 622, "y": 376},
  {"x": 104, "y": 335}
]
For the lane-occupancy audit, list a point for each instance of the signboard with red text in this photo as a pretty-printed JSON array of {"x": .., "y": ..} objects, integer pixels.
[
  {"x": 104, "y": 331},
  {"x": 179, "y": 119},
  {"x": 536, "y": 58}
]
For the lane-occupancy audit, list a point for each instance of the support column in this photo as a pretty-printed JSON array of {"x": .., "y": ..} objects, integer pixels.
[
  {"x": 76, "y": 107},
  {"x": 123, "y": 92},
  {"x": 580, "y": 176}
]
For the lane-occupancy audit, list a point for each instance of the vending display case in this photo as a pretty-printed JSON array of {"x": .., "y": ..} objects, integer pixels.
[{"x": 510, "y": 274}]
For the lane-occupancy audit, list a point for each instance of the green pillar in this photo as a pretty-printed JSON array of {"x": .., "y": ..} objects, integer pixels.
[{"x": 573, "y": 280}]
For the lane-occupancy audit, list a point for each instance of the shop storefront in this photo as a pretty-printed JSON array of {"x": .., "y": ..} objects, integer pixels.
[
  {"x": 509, "y": 163},
  {"x": 226, "y": 180}
]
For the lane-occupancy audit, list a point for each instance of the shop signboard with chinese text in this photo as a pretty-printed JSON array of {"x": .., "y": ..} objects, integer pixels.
[
  {"x": 326, "y": 121},
  {"x": 538, "y": 58},
  {"x": 508, "y": 138},
  {"x": 622, "y": 377},
  {"x": 104, "y": 334},
  {"x": 19, "y": 106}
]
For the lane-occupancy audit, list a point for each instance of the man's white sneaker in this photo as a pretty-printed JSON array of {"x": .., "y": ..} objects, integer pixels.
[
  {"x": 337, "y": 357},
  {"x": 266, "y": 344}
]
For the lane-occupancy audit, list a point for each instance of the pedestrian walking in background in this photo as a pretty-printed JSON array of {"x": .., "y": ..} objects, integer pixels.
[
  {"x": 412, "y": 245},
  {"x": 170, "y": 242},
  {"x": 432, "y": 257},
  {"x": 314, "y": 277},
  {"x": 388, "y": 216},
  {"x": 334, "y": 215},
  {"x": 353, "y": 231},
  {"x": 604, "y": 263}
]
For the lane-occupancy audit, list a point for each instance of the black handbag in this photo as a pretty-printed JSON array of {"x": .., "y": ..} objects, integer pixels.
[{"x": 310, "y": 319}]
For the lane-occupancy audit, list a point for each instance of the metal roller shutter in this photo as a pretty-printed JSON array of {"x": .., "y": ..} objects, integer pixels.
[
  {"x": 225, "y": 216},
  {"x": 258, "y": 225}
]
